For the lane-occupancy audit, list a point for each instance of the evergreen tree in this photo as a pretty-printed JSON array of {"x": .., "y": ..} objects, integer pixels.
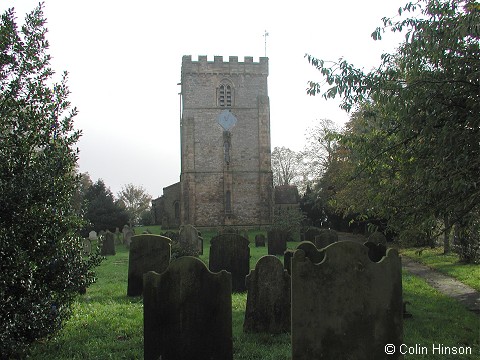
[
  {"x": 102, "y": 211},
  {"x": 41, "y": 265}
]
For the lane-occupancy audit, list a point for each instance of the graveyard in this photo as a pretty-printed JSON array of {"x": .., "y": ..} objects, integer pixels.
[{"x": 108, "y": 324}]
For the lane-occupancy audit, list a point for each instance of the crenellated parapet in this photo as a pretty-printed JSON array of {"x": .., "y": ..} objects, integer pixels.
[{"x": 219, "y": 66}]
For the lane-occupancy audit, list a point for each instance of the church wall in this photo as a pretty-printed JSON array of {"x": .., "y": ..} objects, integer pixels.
[{"x": 206, "y": 174}]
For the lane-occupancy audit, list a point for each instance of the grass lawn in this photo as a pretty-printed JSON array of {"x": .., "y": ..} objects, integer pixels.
[
  {"x": 108, "y": 325},
  {"x": 448, "y": 264}
]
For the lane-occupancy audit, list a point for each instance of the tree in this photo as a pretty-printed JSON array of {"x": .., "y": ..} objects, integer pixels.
[
  {"x": 41, "y": 265},
  {"x": 146, "y": 218},
  {"x": 314, "y": 215},
  {"x": 416, "y": 139},
  {"x": 79, "y": 199},
  {"x": 305, "y": 167},
  {"x": 286, "y": 166},
  {"x": 319, "y": 148},
  {"x": 136, "y": 201},
  {"x": 102, "y": 211}
]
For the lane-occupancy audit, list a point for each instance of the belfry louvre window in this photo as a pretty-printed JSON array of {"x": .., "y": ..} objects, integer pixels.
[{"x": 225, "y": 96}]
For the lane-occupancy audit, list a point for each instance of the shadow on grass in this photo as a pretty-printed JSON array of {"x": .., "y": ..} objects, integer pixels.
[
  {"x": 437, "y": 319},
  {"x": 111, "y": 327},
  {"x": 113, "y": 300},
  {"x": 257, "y": 346}
]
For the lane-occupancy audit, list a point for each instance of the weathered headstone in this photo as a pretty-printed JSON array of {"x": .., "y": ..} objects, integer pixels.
[
  {"x": 375, "y": 251},
  {"x": 108, "y": 244},
  {"x": 346, "y": 307},
  {"x": 325, "y": 238},
  {"x": 147, "y": 253},
  {"x": 118, "y": 236},
  {"x": 259, "y": 240},
  {"x": 172, "y": 235},
  {"x": 315, "y": 255},
  {"x": 287, "y": 260},
  {"x": 87, "y": 246},
  {"x": 378, "y": 238},
  {"x": 277, "y": 241},
  {"x": 92, "y": 235},
  {"x": 231, "y": 252},
  {"x": 311, "y": 251},
  {"x": 125, "y": 229},
  {"x": 129, "y": 233},
  {"x": 190, "y": 239},
  {"x": 187, "y": 313},
  {"x": 310, "y": 233},
  {"x": 268, "y": 297}
]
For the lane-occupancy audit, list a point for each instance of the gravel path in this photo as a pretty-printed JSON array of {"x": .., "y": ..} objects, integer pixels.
[{"x": 447, "y": 285}]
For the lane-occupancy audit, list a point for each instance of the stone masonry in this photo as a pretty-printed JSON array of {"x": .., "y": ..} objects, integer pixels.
[{"x": 226, "y": 176}]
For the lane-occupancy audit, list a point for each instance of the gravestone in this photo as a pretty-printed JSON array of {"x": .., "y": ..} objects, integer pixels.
[
  {"x": 310, "y": 233},
  {"x": 378, "y": 238},
  {"x": 311, "y": 251},
  {"x": 108, "y": 244},
  {"x": 189, "y": 238},
  {"x": 125, "y": 229},
  {"x": 268, "y": 297},
  {"x": 375, "y": 251},
  {"x": 129, "y": 233},
  {"x": 346, "y": 307},
  {"x": 287, "y": 260},
  {"x": 277, "y": 241},
  {"x": 259, "y": 240},
  {"x": 118, "y": 236},
  {"x": 147, "y": 253},
  {"x": 87, "y": 247},
  {"x": 231, "y": 252},
  {"x": 187, "y": 313},
  {"x": 92, "y": 235},
  {"x": 315, "y": 255},
  {"x": 172, "y": 235},
  {"x": 325, "y": 238}
]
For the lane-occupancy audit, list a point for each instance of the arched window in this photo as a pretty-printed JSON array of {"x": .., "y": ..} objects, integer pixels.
[
  {"x": 228, "y": 202},
  {"x": 225, "y": 95},
  {"x": 176, "y": 205}
]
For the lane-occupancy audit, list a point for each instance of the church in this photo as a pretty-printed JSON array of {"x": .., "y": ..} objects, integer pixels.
[{"x": 226, "y": 176}]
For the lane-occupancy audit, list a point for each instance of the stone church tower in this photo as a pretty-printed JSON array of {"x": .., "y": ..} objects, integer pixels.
[{"x": 226, "y": 176}]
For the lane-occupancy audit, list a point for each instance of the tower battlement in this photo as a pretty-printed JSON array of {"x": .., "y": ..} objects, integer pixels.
[{"x": 218, "y": 66}]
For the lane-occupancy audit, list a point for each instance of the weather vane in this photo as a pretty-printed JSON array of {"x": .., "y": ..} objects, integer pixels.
[{"x": 265, "y": 36}]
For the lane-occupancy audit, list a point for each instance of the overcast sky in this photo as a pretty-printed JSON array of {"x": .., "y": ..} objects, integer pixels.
[{"x": 124, "y": 63}]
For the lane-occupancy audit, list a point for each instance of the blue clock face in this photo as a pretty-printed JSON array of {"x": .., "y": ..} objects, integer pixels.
[{"x": 226, "y": 119}]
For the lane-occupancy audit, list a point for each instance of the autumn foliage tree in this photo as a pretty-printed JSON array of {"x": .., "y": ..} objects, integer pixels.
[
  {"x": 417, "y": 124},
  {"x": 136, "y": 202}
]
